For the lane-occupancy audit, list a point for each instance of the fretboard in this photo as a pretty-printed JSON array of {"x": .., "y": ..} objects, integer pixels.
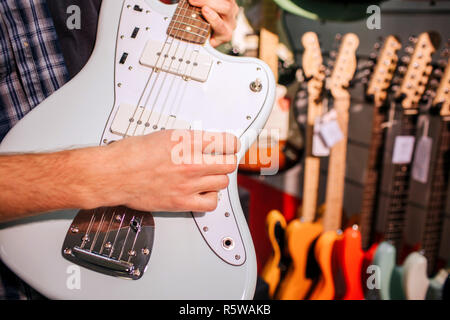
[
  {"x": 336, "y": 171},
  {"x": 431, "y": 237},
  {"x": 372, "y": 176},
  {"x": 399, "y": 193},
  {"x": 188, "y": 24},
  {"x": 312, "y": 163}
]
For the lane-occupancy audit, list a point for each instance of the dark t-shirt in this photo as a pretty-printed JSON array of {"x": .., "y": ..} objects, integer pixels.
[{"x": 76, "y": 44}]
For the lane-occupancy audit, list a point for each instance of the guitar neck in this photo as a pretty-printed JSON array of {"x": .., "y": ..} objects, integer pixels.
[
  {"x": 431, "y": 237},
  {"x": 336, "y": 170},
  {"x": 188, "y": 24},
  {"x": 312, "y": 163},
  {"x": 399, "y": 193},
  {"x": 269, "y": 39},
  {"x": 373, "y": 176}
]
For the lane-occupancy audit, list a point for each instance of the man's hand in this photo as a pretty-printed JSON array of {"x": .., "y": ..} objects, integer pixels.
[
  {"x": 175, "y": 171},
  {"x": 221, "y": 15}
]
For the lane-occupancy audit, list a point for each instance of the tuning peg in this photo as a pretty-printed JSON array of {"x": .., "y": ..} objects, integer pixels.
[
  {"x": 395, "y": 88},
  {"x": 437, "y": 73},
  {"x": 409, "y": 50},
  {"x": 406, "y": 60},
  {"x": 442, "y": 63},
  {"x": 377, "y": 46},
  {"x": 402, "y": 70},
  {"x": 413, "y": 39},
  {"x": 373, "y": 56},
  {"x": 434, "y": 83}
]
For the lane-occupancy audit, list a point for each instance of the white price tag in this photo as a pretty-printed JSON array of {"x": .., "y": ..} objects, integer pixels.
[
  {"x": 331, "y": 133},
  {"x": 403, "y": 149},
  {"x": 319, "y": 147},
  {"x": 422, "y": 158}
]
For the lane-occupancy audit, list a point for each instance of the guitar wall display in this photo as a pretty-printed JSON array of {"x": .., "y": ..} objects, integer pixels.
[
  {"x": 421, "y": 265},
  {"x": 398, "y": 154}
]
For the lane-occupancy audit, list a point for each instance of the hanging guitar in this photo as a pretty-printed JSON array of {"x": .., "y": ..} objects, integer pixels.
[
  {"x": 302, "y": 232},
  {"x": 423, "y": 263},
  {"x": 353, "y": 258},
  {"x": 323, "y": 248},
  {"x": 396, "y": 166},
  {"x": 152, "y": 69}
]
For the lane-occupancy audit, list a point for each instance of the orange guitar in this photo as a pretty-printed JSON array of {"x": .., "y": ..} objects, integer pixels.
[
  {"x": 301, "y": 233},
  {"x": 276, "y": 265},
  {"x": 343, "y": 73},
  {"x": 350, "y": 253}
]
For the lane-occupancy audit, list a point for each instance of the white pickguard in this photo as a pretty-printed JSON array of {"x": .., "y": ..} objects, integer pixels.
[{"x": 186, "y": 263}]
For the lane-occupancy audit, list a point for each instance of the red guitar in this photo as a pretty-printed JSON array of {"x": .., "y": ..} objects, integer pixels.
[{"x": 350, "y": 247}]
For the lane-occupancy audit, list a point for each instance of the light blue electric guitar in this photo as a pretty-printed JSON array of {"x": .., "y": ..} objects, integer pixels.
[{"x": 152, "y": 69}]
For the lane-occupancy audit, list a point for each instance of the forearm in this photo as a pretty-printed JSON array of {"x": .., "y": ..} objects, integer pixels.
[{"x": 31, "y": 184}]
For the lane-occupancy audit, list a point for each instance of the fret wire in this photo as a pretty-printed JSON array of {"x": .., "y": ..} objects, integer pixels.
[
  {"x": 193, "y": 19},
  {"x": 186, "y": 24},
  {"x": 193, "y": 33}
]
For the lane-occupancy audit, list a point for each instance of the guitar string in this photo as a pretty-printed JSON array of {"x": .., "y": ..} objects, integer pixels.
[
  {"x": 117, "y": 235},
  {"x": 126, "y": 238},
  {"x": 98, "y": 231},
  {"x": 149, "y": 80},
  {"x": 135, "y": 239},
  {"x": 180, "y": 99},
  {"x": 166, "y": 56},
  {"x": 174, "y": 79},
  {"x": 139, "y": 103},
  {"x": 155, "y": 127},
  {"x": 107, "y": 231},
  {"x": 88, "y": 230},
  {"x": 188, "y": 63}
]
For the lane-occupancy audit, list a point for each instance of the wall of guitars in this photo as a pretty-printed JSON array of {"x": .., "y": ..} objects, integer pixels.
[{"x": 360, "y": 206}]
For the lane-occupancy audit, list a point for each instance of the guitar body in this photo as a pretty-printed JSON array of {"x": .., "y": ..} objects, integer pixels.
[
  {"x": 185, "y": 263},
  {"x": 385, "y": 257},
  {"x": 415, "y": 278},
  {"x": 276, "y": 229},
  {"x": 350, "y": 258},
  {"x": 397, "y": 291},
  {"x": 323, "y": 253},
  {"x": 300, "y": 237}
]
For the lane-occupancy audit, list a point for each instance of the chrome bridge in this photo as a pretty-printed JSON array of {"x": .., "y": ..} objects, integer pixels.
[{"x": 113, "y": 241}]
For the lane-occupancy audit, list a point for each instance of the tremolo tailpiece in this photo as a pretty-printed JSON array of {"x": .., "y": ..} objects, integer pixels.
[{"x": 114, "y": 241}]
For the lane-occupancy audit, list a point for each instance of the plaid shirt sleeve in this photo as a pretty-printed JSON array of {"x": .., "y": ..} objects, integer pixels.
[
  {"x": 31, "y": 63},
  {"x": 31, "y": 68}
]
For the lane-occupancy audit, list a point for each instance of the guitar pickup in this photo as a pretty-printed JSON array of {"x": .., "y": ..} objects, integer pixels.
[
  {"x": 132, "y": 121},
  {"x": 173, "y": 58}
]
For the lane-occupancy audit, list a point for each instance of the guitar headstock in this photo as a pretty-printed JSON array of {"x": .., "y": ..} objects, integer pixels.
[
  {"x": 344, "y": 67},
  {"x": 312, "y": 57},
  {"x": 384, "y": 70},
  {"x": 312, "y": 64},
  {"x": 442, "y": 97},
  {"x": 419, "y": 70}
]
